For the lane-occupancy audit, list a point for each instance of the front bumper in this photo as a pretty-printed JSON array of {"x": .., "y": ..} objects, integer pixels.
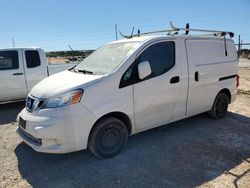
[{"x": 56, "y": 130}]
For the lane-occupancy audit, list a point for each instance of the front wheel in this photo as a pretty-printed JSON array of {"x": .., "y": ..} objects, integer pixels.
[
  {"x": 220, "y": 106},
  {"x": 108, "y": 137}
]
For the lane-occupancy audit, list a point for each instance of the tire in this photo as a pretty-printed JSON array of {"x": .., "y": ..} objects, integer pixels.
[
  {"x": 108, "y": 137},
  {"x": 220, "y": 106}
]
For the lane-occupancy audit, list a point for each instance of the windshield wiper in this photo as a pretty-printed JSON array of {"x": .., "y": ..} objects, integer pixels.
[
  {"x": 72, "y": 68},
  {"x": 85, "y": 71}
]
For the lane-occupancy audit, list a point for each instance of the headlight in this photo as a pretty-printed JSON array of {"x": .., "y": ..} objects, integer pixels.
[{"x": 65, "y": 99}]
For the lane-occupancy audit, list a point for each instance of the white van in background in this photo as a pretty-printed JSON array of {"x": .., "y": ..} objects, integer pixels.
[
  {"x": 126, "y": 87},
  {"x": 21, "y": 69}
]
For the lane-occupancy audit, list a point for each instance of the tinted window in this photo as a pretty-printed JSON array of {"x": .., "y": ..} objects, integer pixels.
[
  {"x": 127, "y": 78},
  {"x": 32, "y": 58},
  {"x": 8, "y": 60},
  {"x": 161, "y": 57}
]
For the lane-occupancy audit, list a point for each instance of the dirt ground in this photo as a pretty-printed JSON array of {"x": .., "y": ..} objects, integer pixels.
[
  {"x": 195, "y": 152},
  {"x": 56, "y": 60}
]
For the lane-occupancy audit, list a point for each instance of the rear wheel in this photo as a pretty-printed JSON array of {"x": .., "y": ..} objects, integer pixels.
[
  {"x": 108, "y": 137},
  {"x": 220, "y": 106}
]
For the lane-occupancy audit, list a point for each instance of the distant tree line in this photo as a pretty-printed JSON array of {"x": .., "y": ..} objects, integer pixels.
[
  {"x": 245, "y": 53},
  {"x": 83, "y": 53}
]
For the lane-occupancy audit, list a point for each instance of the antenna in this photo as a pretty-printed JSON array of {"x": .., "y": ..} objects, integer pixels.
[
  {"x": 13, "y": 42},
  {"x": 70, "y": 48},
  {"x": 132, "y": 32},
  {"x": 72, "y": 53},
  {"x": 116, "y": 36}
]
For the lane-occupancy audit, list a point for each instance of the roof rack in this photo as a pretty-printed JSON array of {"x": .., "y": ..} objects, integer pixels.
[{"x": 174, "y": 30}]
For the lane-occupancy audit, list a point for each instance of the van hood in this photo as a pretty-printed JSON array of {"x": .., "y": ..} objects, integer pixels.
[{"x": 62, "y": 82}]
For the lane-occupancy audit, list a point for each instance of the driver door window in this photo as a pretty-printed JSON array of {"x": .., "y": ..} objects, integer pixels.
[{"x": 161, "y": 57}]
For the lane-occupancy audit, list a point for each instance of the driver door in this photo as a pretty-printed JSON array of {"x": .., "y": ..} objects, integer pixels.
[{"x": 156, "y": 95}]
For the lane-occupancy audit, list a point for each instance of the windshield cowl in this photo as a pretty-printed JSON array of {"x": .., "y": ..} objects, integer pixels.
[{"x": 82, "y": 71}]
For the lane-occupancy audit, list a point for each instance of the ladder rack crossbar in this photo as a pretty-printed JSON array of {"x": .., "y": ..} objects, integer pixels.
[{"x": 176, "y": 29}]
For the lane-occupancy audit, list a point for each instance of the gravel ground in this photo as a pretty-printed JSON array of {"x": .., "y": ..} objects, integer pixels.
[{"x": 197, "y": 151}]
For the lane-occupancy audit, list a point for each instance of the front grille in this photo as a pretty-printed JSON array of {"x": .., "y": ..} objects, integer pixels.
[
  {"x": 22, "y": 123},
  {"x": 33, "y": 104},
  {"x": 29, "y": 138}
]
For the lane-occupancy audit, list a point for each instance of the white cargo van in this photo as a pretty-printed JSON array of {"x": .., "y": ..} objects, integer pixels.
[{"x": 126, "y": 87}]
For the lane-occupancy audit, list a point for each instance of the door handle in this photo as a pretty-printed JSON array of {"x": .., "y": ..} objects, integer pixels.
[
  {"x": 174, "y": 79},
  {"x": 196, "y": 76},
  {"x": 17, "y": 73}
]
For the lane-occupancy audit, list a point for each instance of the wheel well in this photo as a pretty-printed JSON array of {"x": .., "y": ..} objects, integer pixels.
[
  {"x": 227, "y": 92},
  {"x": 119, "y": 115}
]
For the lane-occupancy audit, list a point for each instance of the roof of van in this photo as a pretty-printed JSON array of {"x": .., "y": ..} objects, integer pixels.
[{"x": 148, "y": 37}]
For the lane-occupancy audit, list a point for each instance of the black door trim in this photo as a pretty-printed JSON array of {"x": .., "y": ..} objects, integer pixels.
[{"x": 227, "y": 77}]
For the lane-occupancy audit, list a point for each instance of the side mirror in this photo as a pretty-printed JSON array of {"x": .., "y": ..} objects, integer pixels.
[{"x": 144, "y": 69}]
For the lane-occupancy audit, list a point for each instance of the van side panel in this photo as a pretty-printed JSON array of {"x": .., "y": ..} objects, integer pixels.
[{"x": 208, "y": 63}]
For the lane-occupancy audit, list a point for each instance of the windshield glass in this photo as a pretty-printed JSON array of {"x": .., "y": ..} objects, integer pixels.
[{"x": 106, "y": 59}]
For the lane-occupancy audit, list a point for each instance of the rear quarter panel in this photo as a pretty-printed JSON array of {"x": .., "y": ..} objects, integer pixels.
[{"x": 207, "y": 56}]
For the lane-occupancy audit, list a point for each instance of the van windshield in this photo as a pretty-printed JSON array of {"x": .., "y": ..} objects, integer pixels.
[{"x": 106, "y": 59}]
